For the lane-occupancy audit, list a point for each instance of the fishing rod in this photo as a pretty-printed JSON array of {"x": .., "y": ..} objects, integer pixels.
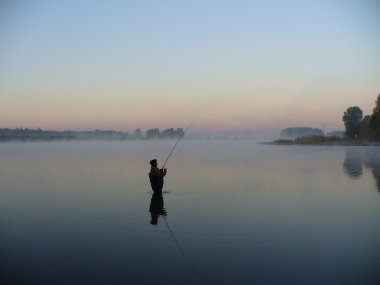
[{"x": 176, "y": 145}]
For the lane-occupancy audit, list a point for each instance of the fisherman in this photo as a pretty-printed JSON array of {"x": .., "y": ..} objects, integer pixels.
[{"x": 156, "y": 176}]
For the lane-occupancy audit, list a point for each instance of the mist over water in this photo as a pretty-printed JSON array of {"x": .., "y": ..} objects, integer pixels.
[{"x": 232, "y": 212}]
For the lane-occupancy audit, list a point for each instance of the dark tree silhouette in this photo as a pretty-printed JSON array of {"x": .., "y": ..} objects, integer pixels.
[
  {"x": 352, "y": 118},
  {"x": 375, "y": 119}
]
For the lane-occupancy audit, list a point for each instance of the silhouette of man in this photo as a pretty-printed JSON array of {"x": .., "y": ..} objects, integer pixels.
[
  {"x": 156, "y": 176},
  {"x": 156, "y": 208}
]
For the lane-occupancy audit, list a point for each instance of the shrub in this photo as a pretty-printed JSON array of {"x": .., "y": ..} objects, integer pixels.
[{"x": 317, "y": 139}]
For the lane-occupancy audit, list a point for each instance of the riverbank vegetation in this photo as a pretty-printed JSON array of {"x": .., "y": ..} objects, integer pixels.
[
  {"x": 359, "y": 130},
  {"x": 323, "y": 140},
  {"x": 362, "y": 127}
]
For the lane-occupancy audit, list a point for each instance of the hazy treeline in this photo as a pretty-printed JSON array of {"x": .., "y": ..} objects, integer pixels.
[
  {"x": 7, "y": 134},
  {"x": 293, "y": 133},
  {"x": 156, "y": 133}
]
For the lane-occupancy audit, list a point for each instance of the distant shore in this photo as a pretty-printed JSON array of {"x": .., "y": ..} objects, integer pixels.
[
  {"x": 323, "y": 141},
  {"x": 26, "y": 135}
]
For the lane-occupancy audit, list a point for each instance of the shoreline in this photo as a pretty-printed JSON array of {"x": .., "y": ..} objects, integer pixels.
[{"x": 337, "y": 143}]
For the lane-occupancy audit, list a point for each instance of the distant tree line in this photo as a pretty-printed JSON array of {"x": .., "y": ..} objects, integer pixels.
[
  {"x": 293, "y": 133},
  {"x": 362, "y": 127},
  {"x": 21, "y": 133},
  {"x": 168, "y": 133},
  {"x": 39, "y": 134}
]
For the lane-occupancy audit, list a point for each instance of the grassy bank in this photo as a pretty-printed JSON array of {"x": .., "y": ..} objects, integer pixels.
[{"x": 323, "y": 140}]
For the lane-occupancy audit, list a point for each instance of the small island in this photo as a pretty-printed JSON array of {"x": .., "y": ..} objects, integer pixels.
[
  {"x": 359, "y": 130},
  {"x": 324, "y": 140}
]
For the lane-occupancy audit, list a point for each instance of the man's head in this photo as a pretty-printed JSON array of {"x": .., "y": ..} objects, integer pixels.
[{"x": 153, "y": 162}]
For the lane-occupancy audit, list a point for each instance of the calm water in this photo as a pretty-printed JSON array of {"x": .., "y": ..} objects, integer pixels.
[{"x": 236, "y": 212}]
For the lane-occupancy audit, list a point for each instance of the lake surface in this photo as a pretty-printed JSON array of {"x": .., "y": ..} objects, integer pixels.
[{"x": 235, "y": 212}]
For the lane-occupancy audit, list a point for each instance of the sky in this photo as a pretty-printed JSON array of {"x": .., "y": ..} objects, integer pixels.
[{"x": 231, "y": 66}]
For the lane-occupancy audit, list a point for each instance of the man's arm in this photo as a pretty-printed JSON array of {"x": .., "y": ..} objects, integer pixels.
[{"x": 158, "y": 172}]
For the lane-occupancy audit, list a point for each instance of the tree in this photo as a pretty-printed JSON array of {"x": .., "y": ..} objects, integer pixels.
[
  {"x": 179, "y": 132},
  {"x": 153, "y": 133},
  {"x": 375, "y": 119},
  {"x": 138, "y": 133},
  {"x": 377, "y": 106},
  {"x": 168, "y": 133},
  {"x": 365, "y": 131},
  {"x": 352, "y": 118}
]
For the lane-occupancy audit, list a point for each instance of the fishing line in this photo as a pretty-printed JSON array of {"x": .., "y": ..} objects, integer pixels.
[
  {"x": 175, "y": 240},
  {"x": 180, "y": 248},
  {"x": 176, "y": 144}
]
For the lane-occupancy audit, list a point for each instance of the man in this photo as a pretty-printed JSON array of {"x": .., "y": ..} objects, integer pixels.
[{"x": 156, "y": 176}]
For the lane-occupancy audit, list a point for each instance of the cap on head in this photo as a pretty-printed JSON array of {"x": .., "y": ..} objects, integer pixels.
[{"x": 153, "y": 162}]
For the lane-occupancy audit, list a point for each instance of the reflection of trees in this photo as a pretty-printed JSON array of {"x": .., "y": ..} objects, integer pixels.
[
  {"x": 376, "y": 176},
  {"x": 374, "y": 164},
  {"x": 357, "y": 157},
  {"x": 352, "y": 165}
]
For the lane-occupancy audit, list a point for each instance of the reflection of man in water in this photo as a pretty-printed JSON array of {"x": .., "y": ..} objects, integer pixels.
[
  {"x": 156, "y": 176},
  {"x": 156, "y": 208}
]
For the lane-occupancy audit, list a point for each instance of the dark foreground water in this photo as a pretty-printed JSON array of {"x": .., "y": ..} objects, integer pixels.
[{"x": 235, "y": 212}]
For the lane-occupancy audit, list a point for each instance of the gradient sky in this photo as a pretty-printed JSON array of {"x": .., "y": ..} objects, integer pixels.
[{"x": 226, "y": 65}]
